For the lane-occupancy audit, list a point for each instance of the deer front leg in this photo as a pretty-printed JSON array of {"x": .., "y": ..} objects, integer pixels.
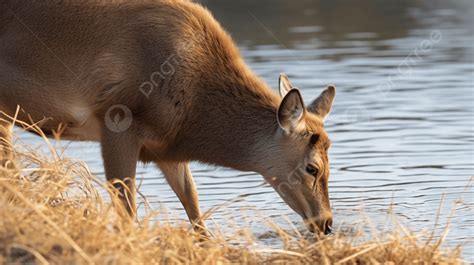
[
  {"x": 120, "y": 153},
  {"x": 5, "y": 143},
  {"x": 180, "y": 179}
]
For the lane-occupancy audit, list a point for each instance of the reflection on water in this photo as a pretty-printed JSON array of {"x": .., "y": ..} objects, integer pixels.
[{"x": 402, "y": 126}]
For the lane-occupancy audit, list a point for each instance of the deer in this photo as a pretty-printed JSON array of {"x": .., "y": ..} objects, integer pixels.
[{"x": 160, "y": 82}]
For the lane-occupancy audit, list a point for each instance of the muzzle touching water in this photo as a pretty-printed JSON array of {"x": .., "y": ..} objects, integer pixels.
[
  {"x": 308, "y": 196},
  {"x": 323, "y": 226}
]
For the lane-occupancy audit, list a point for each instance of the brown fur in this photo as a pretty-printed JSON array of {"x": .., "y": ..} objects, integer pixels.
[{"x": 67, "y": 63}]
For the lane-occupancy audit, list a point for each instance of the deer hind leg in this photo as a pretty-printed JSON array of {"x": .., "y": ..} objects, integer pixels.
[
  {"x": 6, "y": 155},
  {"x": 120, "y": 153},
  {"x": 179, "y": 177}
]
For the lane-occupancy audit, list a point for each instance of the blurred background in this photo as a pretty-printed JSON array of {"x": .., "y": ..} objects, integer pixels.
[{"x": 402, "y": 125}]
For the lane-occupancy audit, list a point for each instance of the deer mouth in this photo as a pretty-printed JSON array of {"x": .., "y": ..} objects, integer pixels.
[{"x": 313, "y": 227}]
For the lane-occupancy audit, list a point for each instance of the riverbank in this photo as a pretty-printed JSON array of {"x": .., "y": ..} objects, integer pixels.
[{"x": 52, "y": 211}]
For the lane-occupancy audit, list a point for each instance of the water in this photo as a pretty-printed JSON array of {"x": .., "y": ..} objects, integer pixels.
[{"x": 402, "y": 125}]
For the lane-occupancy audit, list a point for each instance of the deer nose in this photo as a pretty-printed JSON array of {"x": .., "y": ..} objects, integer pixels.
[
  {"x": 323, "y": 226},
  {"x": 328, "y": 226}
]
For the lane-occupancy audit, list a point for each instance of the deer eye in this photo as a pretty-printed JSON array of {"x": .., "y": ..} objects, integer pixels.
[
  {"x": 314, "y": 139},
  {"x": 311, "y": 170}
]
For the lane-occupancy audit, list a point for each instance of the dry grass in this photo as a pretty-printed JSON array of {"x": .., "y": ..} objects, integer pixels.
[{"x": 51, "y": 212}]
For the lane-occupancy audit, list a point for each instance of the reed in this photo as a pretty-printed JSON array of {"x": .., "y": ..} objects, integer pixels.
[{"x": 52, "y": 212}]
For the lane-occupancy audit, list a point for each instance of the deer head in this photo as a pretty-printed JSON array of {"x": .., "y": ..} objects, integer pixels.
[{"x": 297, "y": 164}]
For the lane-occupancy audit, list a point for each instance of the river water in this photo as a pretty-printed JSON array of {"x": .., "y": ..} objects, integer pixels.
[{"x": 402, "y": 125}]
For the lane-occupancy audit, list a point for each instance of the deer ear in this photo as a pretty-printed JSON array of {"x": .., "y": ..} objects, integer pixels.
[
  {"x": 291, "y": 111},
  {"x": 284, "y": 85},
  {"x": 323, "y": 104}
]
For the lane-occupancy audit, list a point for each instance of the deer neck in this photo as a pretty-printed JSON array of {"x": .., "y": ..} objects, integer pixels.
[{"x": 233, "y": 123}]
